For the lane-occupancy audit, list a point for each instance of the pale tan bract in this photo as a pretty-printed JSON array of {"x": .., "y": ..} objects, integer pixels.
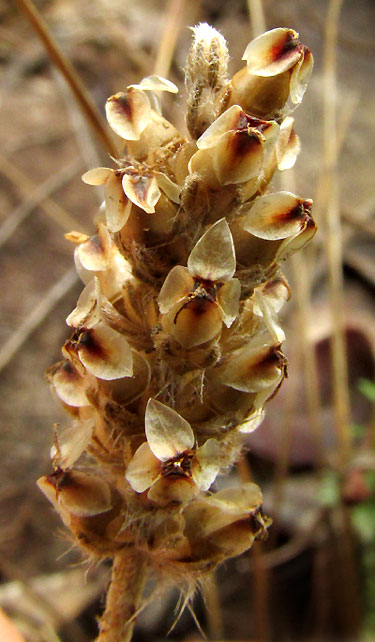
[
  {"x": 169, "y": 457},
  {"x": 177, "y": 343}
]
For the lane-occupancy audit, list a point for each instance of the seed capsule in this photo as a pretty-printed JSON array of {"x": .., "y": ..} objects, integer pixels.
[
  {"x": 167, "y": 463},
  {"x": 77, "y": 493},
  {"x": 278, "y": 69},
  {"x": 199, "y": 298}
]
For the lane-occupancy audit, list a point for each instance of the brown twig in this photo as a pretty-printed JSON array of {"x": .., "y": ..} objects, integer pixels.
[
  {"x": 257, "y": 18},
  {"x": 214, "y": 615},
  {"x": 173, "y": 20},
  {"x": 85, "y": 102},
  {"x": 333, "y": 235}
]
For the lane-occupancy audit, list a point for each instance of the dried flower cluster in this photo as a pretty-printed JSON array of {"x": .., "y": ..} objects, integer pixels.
[{"x": 176, "y": 344}]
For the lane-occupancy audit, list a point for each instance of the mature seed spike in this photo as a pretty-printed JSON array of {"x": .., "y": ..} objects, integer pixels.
[{"x": 176, "y": 344}]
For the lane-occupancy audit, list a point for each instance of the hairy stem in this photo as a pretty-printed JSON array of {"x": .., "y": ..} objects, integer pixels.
[{"x": 124, "y": 594}]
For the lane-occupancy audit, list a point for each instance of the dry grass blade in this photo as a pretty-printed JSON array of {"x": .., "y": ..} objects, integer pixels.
[
  {"x": 302, "y": 270},
  {"x": 139, "y": 59},
  {"x": 302, "y": 286},
  {"x": 81, "y": 131},
  {"x": 52, "y": 209},
  {"x": 362, "y": 225},
  {"x": 261, "y": 593},
  {"x": 282, "y": 465},
  {"x": 257, "y": 18},
  {"x": 333, "y": 234},
  {"x": 214, "y": 615},
  {"x": 345, "y": 549},
  {"x": 36, "y": 316},
  {"x": 38, "y": 196},
  {"x": 63, "y": 64},
  {"x": 173, "y": 21},
  {"x": 260, "y": 569}
]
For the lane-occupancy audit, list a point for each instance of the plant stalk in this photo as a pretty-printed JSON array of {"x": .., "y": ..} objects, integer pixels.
[
  {"x": 84, "y": 101},
  {"x": 123, "y": 597}
]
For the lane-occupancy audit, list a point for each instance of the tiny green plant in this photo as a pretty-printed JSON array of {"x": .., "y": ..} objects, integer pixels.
[{"x": 176, "y": 342}]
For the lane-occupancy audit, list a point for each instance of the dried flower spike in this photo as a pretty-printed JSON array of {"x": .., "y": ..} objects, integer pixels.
[{"x": 176, "y": 344}]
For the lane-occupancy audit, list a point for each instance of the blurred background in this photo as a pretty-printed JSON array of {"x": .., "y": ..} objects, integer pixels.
[{"x": 314, "y": 456}]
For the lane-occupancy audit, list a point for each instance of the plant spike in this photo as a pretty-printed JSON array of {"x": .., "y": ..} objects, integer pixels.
[{"x": 176, "y": 343}]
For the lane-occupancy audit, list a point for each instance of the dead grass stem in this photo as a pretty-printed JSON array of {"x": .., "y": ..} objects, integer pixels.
[
  {"x": 66, "y": 68},
  {"x": 38, "y": 196},
  {"x": 36, "y": 317},
  {"x": 257, "y": 17},
  {"x": 333, "y": 233},
  {"x": 172, "y": 26}
]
